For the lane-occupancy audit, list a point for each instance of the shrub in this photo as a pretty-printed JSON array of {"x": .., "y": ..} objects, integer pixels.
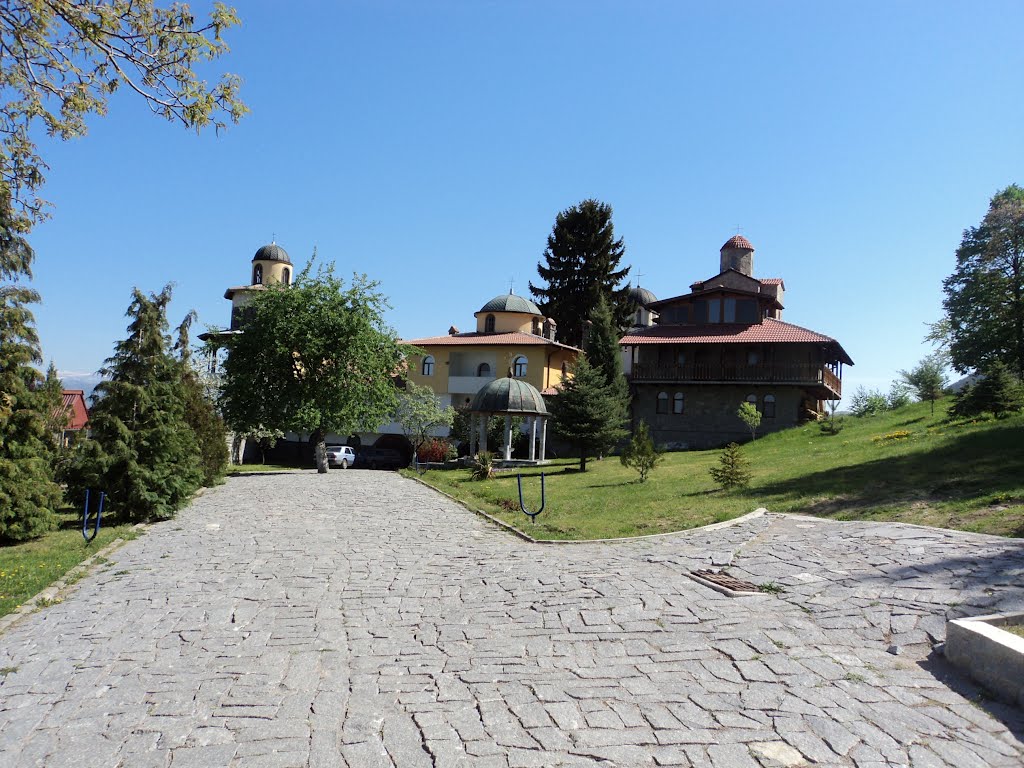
[
  {"x": 732, "y": 471},
  {"x": 899, "y": 396},
  {"x": 483, "y": 469},
  {"x": 868, "y": 402},
  {"x": 641, "y": 453},
  {"x": 433, "y": 450}
]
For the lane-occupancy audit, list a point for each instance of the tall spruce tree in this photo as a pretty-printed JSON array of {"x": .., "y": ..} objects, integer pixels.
[
  {"x": 142, "y": 451},
  {"x": 581, "y": 264},
  {"x": 28, "y": 494},
  {"x": 587, "y": 412}
]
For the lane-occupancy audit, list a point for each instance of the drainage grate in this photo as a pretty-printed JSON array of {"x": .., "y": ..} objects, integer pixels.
[{"x": 724, "y": 583}]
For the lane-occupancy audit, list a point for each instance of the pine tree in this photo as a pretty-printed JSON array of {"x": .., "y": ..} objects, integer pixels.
[
  {"x": 732, "y": 471},
  {"x": 142, "y": 452},
  {"x": 587, "y": 413},
  {"x": 641, "y": 454},
  {"x": 605, "y": 355},
  {"x": 200, "y": 413},
  {"x": 28, "y": 494},
  {"x": 998, "y": 392},
  {"x": 581, "y": 264}
]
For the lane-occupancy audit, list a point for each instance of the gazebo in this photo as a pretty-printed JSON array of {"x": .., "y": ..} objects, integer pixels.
[{"x": 511, "y": 397}]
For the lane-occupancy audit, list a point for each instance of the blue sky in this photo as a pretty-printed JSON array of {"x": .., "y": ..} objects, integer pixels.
[{"x": 430, "y": 145}]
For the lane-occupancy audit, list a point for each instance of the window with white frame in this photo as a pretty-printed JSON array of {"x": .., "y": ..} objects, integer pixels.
[
  {"x": 678, "y": 403},
  {"x": 483, "y": 369},
  {"x": 519, "y": 367},
  {"x": 428, "y": 365},
  {"x": 662, "y": 406},
  {"x": 769, "y": 407}
]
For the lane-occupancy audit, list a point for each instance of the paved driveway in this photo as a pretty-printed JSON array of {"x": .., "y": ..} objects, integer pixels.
[{"x": 358, "y": 619}]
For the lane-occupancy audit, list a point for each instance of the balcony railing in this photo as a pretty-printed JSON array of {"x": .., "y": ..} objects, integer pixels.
[{"x": 790, "y": 373}]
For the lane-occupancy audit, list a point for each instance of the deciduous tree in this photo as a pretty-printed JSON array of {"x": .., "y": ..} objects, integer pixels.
[
  {"x": 984, "y": 297},
  {"x": 419, "y": 413},
  {"x": 315, "y": 357},
  {"x": 750, "y": 416},
  {"x": 581, "y": 264},
  {"x": 61, "y": 60},
  {"x": 928, "y": 378}
]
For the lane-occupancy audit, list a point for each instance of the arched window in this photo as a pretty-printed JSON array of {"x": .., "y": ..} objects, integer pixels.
[
  {"x": 752, "y": 399},
  {"x": 483, "y": 369},
  {"x": 536, "y": 326},
  {"x": 428, "y": 365},
  {"x": 662, "y": 406},
  {"x": 257, "y": 275},
  {"x": 677, "y": 403},
  {"x": 489, "y": 324},
  {"x": 519, "y": 367},
  {"x": 286, "y": 276},
  {"x": 769, "y": 406}
]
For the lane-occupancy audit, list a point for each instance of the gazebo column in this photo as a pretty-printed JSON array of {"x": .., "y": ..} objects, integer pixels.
[
  {"x": 508, "y": 436},
  {"x": 543, "y": 439},
  {"x": 484, "y": 418},
  {"x": 533, "y": 438},
  {"x": 472, "y": 434}
]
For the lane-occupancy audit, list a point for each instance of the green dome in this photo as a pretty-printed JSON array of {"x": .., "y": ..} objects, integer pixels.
[
  {"x": 509, "y": 302},
  {"x": 508, "y": 396}
]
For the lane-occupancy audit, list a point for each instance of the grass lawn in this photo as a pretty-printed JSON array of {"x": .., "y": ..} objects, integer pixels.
[
  {"x": 28, "y": 568},
  {"x": 905, "y": 465},
  {"x": 248, "y": 469}
]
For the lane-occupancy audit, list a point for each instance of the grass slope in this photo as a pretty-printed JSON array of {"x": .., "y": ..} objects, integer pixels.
[{"x": 904, "y": 465}]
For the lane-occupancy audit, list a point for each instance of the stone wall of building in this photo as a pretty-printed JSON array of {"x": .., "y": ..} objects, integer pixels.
[{"x": 709, "y": 415}]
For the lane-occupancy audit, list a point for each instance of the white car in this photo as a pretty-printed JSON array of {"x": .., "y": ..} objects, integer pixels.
[{"x": 343, "y": 456}]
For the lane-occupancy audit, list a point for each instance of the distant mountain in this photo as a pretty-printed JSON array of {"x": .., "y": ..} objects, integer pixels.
[
  {"x": 84, "y": 381},
  {"x": 966, "y": 381}
]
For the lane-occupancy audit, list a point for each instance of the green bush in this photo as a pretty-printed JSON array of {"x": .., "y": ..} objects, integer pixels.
[{"x": 732, "y": 471}]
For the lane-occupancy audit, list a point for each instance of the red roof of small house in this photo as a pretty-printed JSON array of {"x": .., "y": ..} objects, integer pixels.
[
  {"x": 771, "y": 281},
  {"x": 768, "y": 331},
  {"x": 515, "y": 338},
  {"x": 73, "y": 409},
  {"x": 737, "y": 241},
  {"x": 549, "y": 392}
]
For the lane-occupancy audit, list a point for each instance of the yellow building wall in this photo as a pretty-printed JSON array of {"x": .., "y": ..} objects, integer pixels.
[
  {"x": 273, "y": 271},
  {"x": 541, "y": 371},
  {"x": 509, "y": 322}
]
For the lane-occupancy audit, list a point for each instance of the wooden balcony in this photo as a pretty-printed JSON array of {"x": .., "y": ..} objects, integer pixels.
[{"x": 821, "y": 380}]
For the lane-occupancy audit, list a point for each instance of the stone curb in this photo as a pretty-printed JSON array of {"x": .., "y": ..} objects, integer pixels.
[
  {"x": 875, "y": 523},
  {"x": 527, "y": 537},
  {"x": 76, "y": 573}
]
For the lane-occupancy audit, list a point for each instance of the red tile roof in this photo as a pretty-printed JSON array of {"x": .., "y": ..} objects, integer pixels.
[
  {"x": 770, "y": 281},
  {"x": 737, "y": 241},
  {"x": 515, "y": 338},
  {"x": 769, "y": 331}
]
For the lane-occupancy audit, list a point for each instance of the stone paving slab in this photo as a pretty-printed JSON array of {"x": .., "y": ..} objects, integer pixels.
[{"x": 359, "y": 619}]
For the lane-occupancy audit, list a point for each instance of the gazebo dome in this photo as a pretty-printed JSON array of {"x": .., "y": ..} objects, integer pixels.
[
  {"x": 509, "y": 302},
  {"x": 272, "y": 252},
  {"x": 642, "y": 296},
  {"x": 509, "y": 396}
]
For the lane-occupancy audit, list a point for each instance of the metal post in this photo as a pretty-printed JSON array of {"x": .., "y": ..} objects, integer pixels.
[
  {"x": 543, "y": 438},
  {"x": 508, "y": 437}
]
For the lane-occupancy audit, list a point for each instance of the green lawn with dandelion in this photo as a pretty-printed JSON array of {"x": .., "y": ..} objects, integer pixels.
[
  {"x": 28, "y": 568},
  {"x": 905, "y": 465}
]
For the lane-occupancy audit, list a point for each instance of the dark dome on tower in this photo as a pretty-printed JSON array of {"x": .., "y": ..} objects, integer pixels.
[
  {"x": 272, "y": 252},
  {"x": 642, "y": 296}
]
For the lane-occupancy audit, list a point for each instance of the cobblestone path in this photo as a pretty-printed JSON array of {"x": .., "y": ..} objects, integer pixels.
[{"x": 358, "y": 619}]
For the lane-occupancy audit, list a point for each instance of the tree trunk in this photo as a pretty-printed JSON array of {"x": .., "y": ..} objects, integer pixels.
[
  {"x": 320, "y": 450},
  {"x": 583, "y": 458}
]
